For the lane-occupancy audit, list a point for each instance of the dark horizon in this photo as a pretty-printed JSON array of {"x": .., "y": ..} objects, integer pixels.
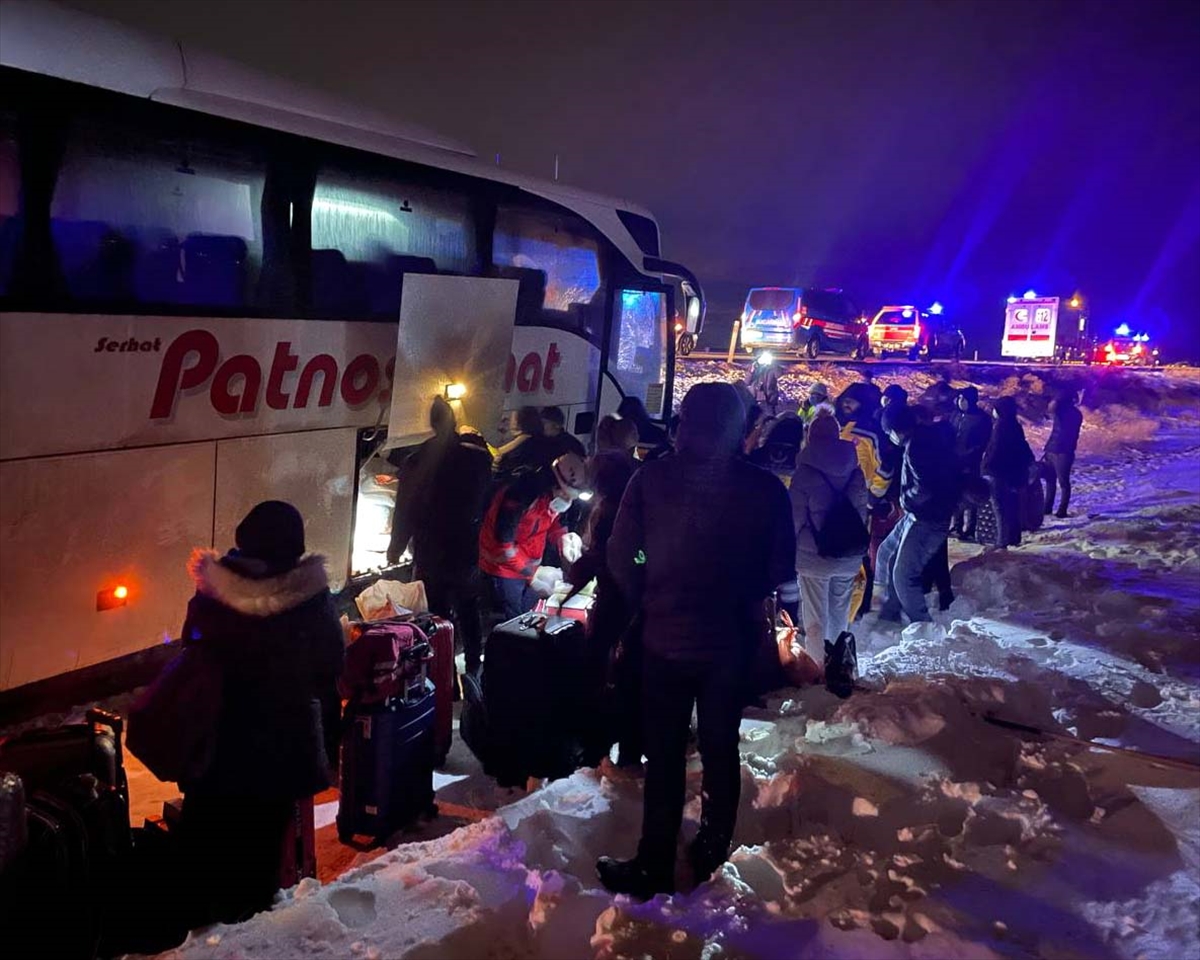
[{"x": 906, "y": 152}]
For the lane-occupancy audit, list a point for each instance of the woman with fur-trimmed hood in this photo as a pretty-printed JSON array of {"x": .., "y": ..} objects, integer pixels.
[{"x": 263, "y": 611}]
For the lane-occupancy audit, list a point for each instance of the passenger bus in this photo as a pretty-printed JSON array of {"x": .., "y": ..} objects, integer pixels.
[{"x": 202, "y": 274}]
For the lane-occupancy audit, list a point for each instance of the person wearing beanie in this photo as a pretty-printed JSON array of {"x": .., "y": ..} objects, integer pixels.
[
  {"x": 972, "y": 431},
  {"x": 1059, "y": 455},
  {"x": 1006, "y": 463},
  {"x": 264, "y": 615},
  {"x": 894, "y": 394},
  {"x": 701, "y": 539},
  {"x": 928, "y": 497}
]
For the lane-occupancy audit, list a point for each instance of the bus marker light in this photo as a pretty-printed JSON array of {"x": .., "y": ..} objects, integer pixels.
[
  {"x": 112, "y": 598},
  {"x": 456, "y": 391}
]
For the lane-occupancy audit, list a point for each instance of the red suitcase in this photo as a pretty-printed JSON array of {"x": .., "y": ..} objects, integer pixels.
[{"x": 441, "y": 671}]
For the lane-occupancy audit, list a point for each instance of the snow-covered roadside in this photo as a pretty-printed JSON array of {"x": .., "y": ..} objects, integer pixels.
[{"x": 899, "y": 823}]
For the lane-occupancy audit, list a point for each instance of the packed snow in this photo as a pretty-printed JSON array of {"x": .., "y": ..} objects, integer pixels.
[{"x": 902, "y": 822}]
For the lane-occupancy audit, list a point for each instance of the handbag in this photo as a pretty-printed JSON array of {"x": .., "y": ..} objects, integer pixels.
[{"x": 172, "y": 726}]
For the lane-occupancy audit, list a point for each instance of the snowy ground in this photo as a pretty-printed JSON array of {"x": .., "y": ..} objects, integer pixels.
[{"x": 901, "y": 822}]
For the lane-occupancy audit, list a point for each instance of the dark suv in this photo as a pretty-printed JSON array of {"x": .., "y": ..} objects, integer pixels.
[
  {"x": 808, "y": 320},
  {"x": 919, "y": 334}
]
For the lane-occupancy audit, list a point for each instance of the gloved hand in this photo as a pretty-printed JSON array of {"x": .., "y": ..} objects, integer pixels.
[{"x": 570, "y": 547}]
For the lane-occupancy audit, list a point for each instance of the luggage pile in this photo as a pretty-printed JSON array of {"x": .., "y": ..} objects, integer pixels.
[{"x": 397, "y": 721}]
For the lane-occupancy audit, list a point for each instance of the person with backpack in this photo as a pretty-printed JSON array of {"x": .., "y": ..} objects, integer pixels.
[
  {"x": 829, "y": 512},
  {"x": 928, "y": 496},
  {"x": 1006, "y": 462},
  {"x": 1059, "y": 455},
  {"x": 264, "y": 616}
]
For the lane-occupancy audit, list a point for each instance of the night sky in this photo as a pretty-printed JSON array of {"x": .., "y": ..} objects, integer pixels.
[{"x": 905, "y": 151}]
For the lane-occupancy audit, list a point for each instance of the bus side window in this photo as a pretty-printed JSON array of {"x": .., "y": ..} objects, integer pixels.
[
  {"x": 10, "y": 194},
  {"x": 168, "y": 220},
  {"x": 565, "y": 250},
  {"x": 367, "y": 232}
]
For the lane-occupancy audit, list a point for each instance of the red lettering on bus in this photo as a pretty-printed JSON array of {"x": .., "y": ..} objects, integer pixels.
[
  {"x": 325, "y": 365},
  {"x": 529, "y": 373},
  {"x": 174, "y": 377},
  {"x": 364, "y": 367},
  {"x": 510, "y": 373},
  {"x": 284, "y": 363},
  {"x": 389, "y": 376},
  {"x": 228, "y": 403},
  {"x": 553, "y": 358}
]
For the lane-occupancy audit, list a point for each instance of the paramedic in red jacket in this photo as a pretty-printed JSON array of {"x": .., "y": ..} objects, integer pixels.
[{"x": 520, "y": 519}]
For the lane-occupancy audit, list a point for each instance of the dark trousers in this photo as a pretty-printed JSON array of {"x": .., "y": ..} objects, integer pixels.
[
  {"x": 937, "y": 574},
  {"x": 1007, "y": 503},
  {"x": 231, "y": 852},
  {"x": 628, "y": 672},
  {"x": 669, "y": 689},
  {"x": 1060, "y": 471},
  {"x": 457, "y": 599},
  {"x": 514, "y": 596}
]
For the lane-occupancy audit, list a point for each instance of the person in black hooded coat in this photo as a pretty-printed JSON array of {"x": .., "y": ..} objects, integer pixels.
[
  {"x": 1007, "y": 461},
  {"x": 266, "y": 617}
]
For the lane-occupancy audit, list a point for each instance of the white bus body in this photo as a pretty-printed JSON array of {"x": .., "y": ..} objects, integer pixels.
[{"x": 200, "y": 277}]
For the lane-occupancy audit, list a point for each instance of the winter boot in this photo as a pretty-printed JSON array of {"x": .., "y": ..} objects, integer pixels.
[
  {"x": 634, "y": 877},
  {"x": 841, "y": 665}
]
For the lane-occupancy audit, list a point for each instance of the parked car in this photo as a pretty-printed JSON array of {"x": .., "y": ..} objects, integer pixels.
[
  {"x": 918, "y": 334},
  {"x": 804, "y": 320}
]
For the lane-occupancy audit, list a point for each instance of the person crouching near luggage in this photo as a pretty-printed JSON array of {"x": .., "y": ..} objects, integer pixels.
[
  {"x": 264, "y": 612},
  {"x": 523, "y": 515},
  {"x": 827, "y": 469},
  {"x": 701, "y": 539}
]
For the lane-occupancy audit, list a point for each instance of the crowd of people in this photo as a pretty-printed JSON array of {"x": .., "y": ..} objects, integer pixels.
[{"x": 694, "y": 536}]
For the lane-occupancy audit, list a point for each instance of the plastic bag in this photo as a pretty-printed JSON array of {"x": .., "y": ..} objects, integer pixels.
[
  {"x": 390, "y": 598},
  {"x": 545, "y": 580},
  {"x": 799, "y": 668}
]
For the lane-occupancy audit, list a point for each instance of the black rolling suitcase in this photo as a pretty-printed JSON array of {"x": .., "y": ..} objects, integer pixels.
[
  {"x": 387, "y": 767},
  {"x": 77, "y": 838},
  {"x": 534, "y": 686}
]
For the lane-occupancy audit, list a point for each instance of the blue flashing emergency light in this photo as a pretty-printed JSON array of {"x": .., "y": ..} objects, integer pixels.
[
  {"x": 1030, "y": 295},
  {"x": 1012, "y": 299},
  {"x": 906, "y": 313},
  {"x": 936, "y": 308},
  {"x": 1122, "y": 330}
]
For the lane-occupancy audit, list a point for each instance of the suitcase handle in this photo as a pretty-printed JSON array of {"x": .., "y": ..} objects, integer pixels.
[{"x": 106, "y": 718}]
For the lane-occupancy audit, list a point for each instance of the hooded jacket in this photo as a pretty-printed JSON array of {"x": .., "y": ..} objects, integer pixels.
[
  {"x": 703, "y": 537},
  {"x": 278, "y": 645},
  {"x": 1008, "y": 457},
  {"x": 972, "y": 431},
  {"x": 824, "y": 468}
]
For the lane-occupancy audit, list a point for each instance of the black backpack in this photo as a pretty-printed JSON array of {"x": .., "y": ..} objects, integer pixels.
[{"x": 843, "y": 534}]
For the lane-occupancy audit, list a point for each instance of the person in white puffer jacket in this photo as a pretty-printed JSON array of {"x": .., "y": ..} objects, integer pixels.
[{"x": 825, "y": 466}]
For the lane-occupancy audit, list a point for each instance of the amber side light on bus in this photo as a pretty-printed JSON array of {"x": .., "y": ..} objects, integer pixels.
[{"x": 112, "y": 597}]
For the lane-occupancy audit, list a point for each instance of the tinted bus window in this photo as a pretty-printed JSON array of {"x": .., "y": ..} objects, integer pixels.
[
  {"x": 10, "y": 201},
  {"x": 566, "y": 253},
  {"x": 367, "y": 232},
  {"x": 170, "y": 221}
]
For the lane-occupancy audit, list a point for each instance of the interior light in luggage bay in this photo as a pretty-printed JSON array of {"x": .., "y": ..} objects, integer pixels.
[
  {"x": 456, "y": 391},
  {"x": 112, "y": 597}
]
